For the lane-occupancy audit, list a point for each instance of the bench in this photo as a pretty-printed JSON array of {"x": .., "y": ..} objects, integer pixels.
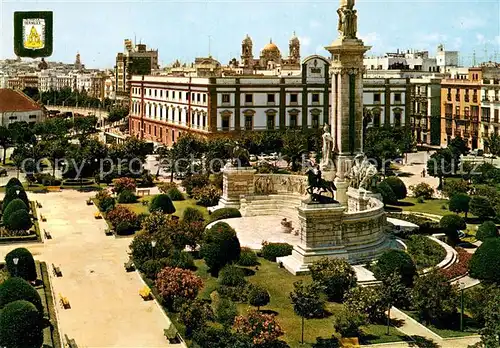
[
  {"x": 129, "y": 266},
  {"x": 145, "y": 293},
  {"x": 144, "y": 202},
  {"x": 70, "y": 342},
  {"x": 38, "y": 204},
  {"x": 172, "y": 335},
  {"x": 44, "y": 219},
  {"x": 47, "y": 234},
  {"x": 98, "y": 215},
  {"x": 64, "y": 301},
  {"x": 143, "y": 192},
  {"x": 89, "y": 202},
  {"x": 108, "y": 232},
  {"x": 57, "y": 271}
]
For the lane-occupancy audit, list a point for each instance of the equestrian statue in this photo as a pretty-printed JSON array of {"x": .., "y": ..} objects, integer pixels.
[{"x": 318, "y": 186}]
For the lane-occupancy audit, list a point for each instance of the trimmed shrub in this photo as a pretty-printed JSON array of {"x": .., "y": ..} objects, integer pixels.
[
  {"x": 487, "y": 229},
  {"x": 127, "y": 196},
  {"x": 248, "y": 257},
  {"x": 388, "y": 196},
  {"x": 395, "y": 261},
  {"x": 459, "y": 203},
  {"x": 164, "y": 187},
  {"x": 481, "y": 207},
  {"x": 14, "y": 205},
  {"x": 175, "y": 194},
  {"x": 220, "y": 246},
  {"x": 11, "y": 194},
  {"x": 336, "y": 276},
  {"x": 192, "y": 215},
  {"x": 270, "y": 251},
  {"x": 121, "y": 214},
  {"x": 105, "y": 202},
  {"x": 122, "y": 184},
  {"x": 225, "y": 213},
  {"x": 220, "y": 337},
  {"x": 180, "y": 259},
  {"x": 422, "y": 190},
  {"x": 263, "y": 328},
  {"x": 453, "y": 187},
  {"x": 348, "y": 323},
  {"x": 207, "y": 196},
  {"x": 162, "y": 203},
  {"x": 258, "y": 296},
  {"x": 124, "y": 228},
  {"x": 367, "y": 300},
  {"x": 19, "y": 220},
  {"x": 224, "y": 309},
  {"x": 15, "y": 289},
  {"x": 485, "y": 262},
  {"x": 151, "y": 268},
  {"x": 231, "y": 276},
  {"x": 13, "y": 182},
  {"x": 25, "y": 268},
  {"x": 195, "y": 181},
  {"x": 398, "y": 187},
  {"x": 20, "y": 325},
  {"x": 194, "y": 316},
  {"x": 235, "y": 293},
  {"x": 451, "y": 224}
]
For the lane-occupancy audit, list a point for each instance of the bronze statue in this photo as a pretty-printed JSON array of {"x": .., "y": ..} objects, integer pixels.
[
  {"x": 317, "y": 183},
  {"x": 240, "y": 156}
]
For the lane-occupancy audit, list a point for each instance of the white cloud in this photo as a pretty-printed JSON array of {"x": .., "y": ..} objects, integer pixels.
[
  {"x": 480, "y": 38},
  {"x": 470, "y": 22},
  {"x": 320, "y": 49},
  {"x": 457, "y": 43},
  {"x": 314, "y": 24},
  {"x": 370, "y": 38},
  {"x": 433, "y": 38},
  {"x": 305, "y": 41}
]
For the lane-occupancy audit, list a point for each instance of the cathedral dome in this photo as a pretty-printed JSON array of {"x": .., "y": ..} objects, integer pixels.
[{"x": 270, "y": 47}]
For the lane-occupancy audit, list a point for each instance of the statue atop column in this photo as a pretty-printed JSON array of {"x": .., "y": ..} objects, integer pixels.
[{"x": 348, "y": 19}]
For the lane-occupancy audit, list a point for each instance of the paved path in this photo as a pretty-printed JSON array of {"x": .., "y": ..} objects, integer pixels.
[{"x": 106, "y": 309}]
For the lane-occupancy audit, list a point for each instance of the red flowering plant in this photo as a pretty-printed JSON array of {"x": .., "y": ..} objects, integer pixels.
[
  {"x": 459, "y": 268},
  {"x": 122, "y": 184},
  {"x": 177, "y": 283},
  {"x": 121, "y": 214},
  {"x": 262, "y": 328}
]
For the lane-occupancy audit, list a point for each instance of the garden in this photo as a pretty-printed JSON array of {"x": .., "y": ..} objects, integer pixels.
[
  {"x": 19, "y": 216},
  {"x": 27, "y": 312}
]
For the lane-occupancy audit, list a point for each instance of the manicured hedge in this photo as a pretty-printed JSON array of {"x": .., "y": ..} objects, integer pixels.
[
  {"x": 488, "y": 229},
  {"x": 26, "y": 264},
  {"x": 15, "y": 288},
  {"x": 248, "y": 257},
  {"x": 19, "y": 220},
  {"x": 225, "y": 213},
  {"x": 20, "y": 325},
  {"x": 398, "y": 186},
  {"x": 485, "y": 263},
  {"x": 395, "y": 261},
  {"x": 220, "y": 246},
  {"x": 13, "y": 206},
  {"x": 13, "y": 182},
  {"x": 270, "y": 251},
  {"x": 192, "y": 215},
  {"x": 162, "y": 203},
  {"x": 175, "y": 194}
]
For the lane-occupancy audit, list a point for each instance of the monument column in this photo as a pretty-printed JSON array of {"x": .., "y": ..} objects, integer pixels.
[{"x": 346, "y": 72}]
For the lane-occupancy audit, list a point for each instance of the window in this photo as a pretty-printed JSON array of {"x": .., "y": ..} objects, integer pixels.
[
  {"x": 12, "y": 117},
  {"x": 294, "y": 98},
  {"x": 161, "y": 132},
  {"x": 466, "y": 112},
  {"x": 397, "y": 97},
  {"x": 155, "y": 130},
  {"x": 173, "y": 135},
  {"x": 248, "y": 122},
  {"x": 34, "y": 116},
  {"x": 161, "y": 93},
  {"x": 149, "y": 91},
  {"x": 457, "y": 95},
  {"x": 270, "y": 122},
  {"x": 315, "y": 121},
  {"x": 376, "y": 97},
  {"x": 376, "y": 118},
  {"x": 457, "y": 111},
  {"x": 166, "y": 94},
  {"x": 149, "y": 129},
  {"x": 293, "y": 121},
  {"x": 248, "y": 98},
  {"x": 495, "y": 117},
  {"x": 271, "y": 98},
  {"x": 204, "y": 98},
  {"x": 192, "y": 97},
  {"x": 198, "y": 97},
  {"x": 225, "y": 98},
  {"x": 173, "y": 94},
  {"x": 156, "y": 92},
  {"x": 315, "y": 97},
  {"x": 225, "y": 123},
  {"x": 204, "y": 120},
  {"x": 397, "y": 118}
]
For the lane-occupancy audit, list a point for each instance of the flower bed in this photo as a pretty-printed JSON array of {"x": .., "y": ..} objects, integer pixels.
[{"x": 459, "y": 268}]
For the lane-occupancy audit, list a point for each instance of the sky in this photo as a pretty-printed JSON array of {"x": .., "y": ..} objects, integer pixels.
[{"x": 183, "y": 29}]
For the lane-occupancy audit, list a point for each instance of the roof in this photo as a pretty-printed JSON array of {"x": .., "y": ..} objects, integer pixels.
[{"x": 12, "y": 100}]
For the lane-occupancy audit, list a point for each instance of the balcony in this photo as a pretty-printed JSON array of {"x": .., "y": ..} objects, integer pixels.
[
  {"x": 466, "y": 98},
  {"x": 466, "y": 134},
  {"x": 448, "y": 97},
  {"x": 485, "y": 134},
  {"x": 448, "y": 115},
  {"x": 485, "y": 119},
  {"x": 457, "y": 97},
  {"x": 474, "y": 99},
  {"x": 475, "y": 132}
]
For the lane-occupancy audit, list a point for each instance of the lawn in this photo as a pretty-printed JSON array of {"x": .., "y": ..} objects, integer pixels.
[
  {"x": 470, "y": 327},
  {"x": 431, "y": 206},
  {"x": 279, "y": 283},
  {"x": 180, "y": 206}
]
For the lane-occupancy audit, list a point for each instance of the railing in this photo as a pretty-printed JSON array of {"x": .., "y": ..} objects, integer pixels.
[
  {"x": 474, "y": 99},
  {"x": 466, "y": 98},
  {"x": 448, "y": 97},
  {"x": 448, "y": 115},
  {"x": 485, "y": 119},
  {"x": 457, "y": 97}
]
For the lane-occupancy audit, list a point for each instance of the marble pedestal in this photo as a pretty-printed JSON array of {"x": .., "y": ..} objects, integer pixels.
[{"x": 237, "y": 182}]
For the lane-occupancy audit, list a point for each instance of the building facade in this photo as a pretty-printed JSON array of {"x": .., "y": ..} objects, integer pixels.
[
  {"x": 15, "y": 106},
  {"x": 425, "y": 110},
  {"x": 163, "y": 107}
]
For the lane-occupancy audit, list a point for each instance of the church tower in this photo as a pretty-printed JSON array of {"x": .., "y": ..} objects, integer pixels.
[
  {"x": 294, "y": 50},
  {"x": 247, "y": 52},
  {"x": 346, "y": 73},
  {"x": 78, "y": 63}
]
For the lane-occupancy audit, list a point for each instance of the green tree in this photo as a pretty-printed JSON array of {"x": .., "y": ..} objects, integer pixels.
[
  {"x": 367, "y": 300},
  {"x": 294, "y": 146},
  {"x": 459, "y": 203},
  {"x": 458, "y": 146},
  {"x": 162, "y": 203},
  {"x": 307, "y": 301},
  {"x": 442, "y": 163},
  {"x": 21, "y": 326},
  {"x": 451, "y": 224},
  {"x": 348, "y": 323},
  {"x": 5, "y": 141},
  {"x": 13, "y": 206},
  {"x": 258, "y": 296},
  {"x": 434, "y": 298},
  {"x": 490, "y": 334},
  {"x": 485, "y": 262},
  {"x": 393, "y": 293},
  {"x": 336, "y": 276},
  {"x": 395, "y": 261},
  {"x": 25, "y": 267},
  {"x": 388, "y": 195},
  {"x": 481, "y": 207},
  {"x": 493, "y": 144},
  {"x": 487, "y": 229},
  {"x": 15, "y": 288},
  {"x": 194, "y": 316},
  {"x": 220, "y": 246},
  {"x": 117, "y": 113},
  {"x": 398, "y": 186}
]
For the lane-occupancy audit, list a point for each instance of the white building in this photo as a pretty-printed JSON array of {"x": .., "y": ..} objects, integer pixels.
[{"x": 17, "y": 107}]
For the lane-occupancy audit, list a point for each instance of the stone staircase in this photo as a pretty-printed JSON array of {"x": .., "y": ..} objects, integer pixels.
[{"x": 275, "y": 204}]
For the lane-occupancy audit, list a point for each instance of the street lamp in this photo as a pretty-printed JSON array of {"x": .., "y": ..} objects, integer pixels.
[
  {"x": 462, "y": 288},
  {"x": 16, "y": 261},
  {"x": 153, "y": 244}
]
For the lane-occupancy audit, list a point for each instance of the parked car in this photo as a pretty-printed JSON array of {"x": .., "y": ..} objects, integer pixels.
[
  {"x": 179, "y": 176},
  {"x": 253, "y": 158},
  {"x": 3, "y": 172}
]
